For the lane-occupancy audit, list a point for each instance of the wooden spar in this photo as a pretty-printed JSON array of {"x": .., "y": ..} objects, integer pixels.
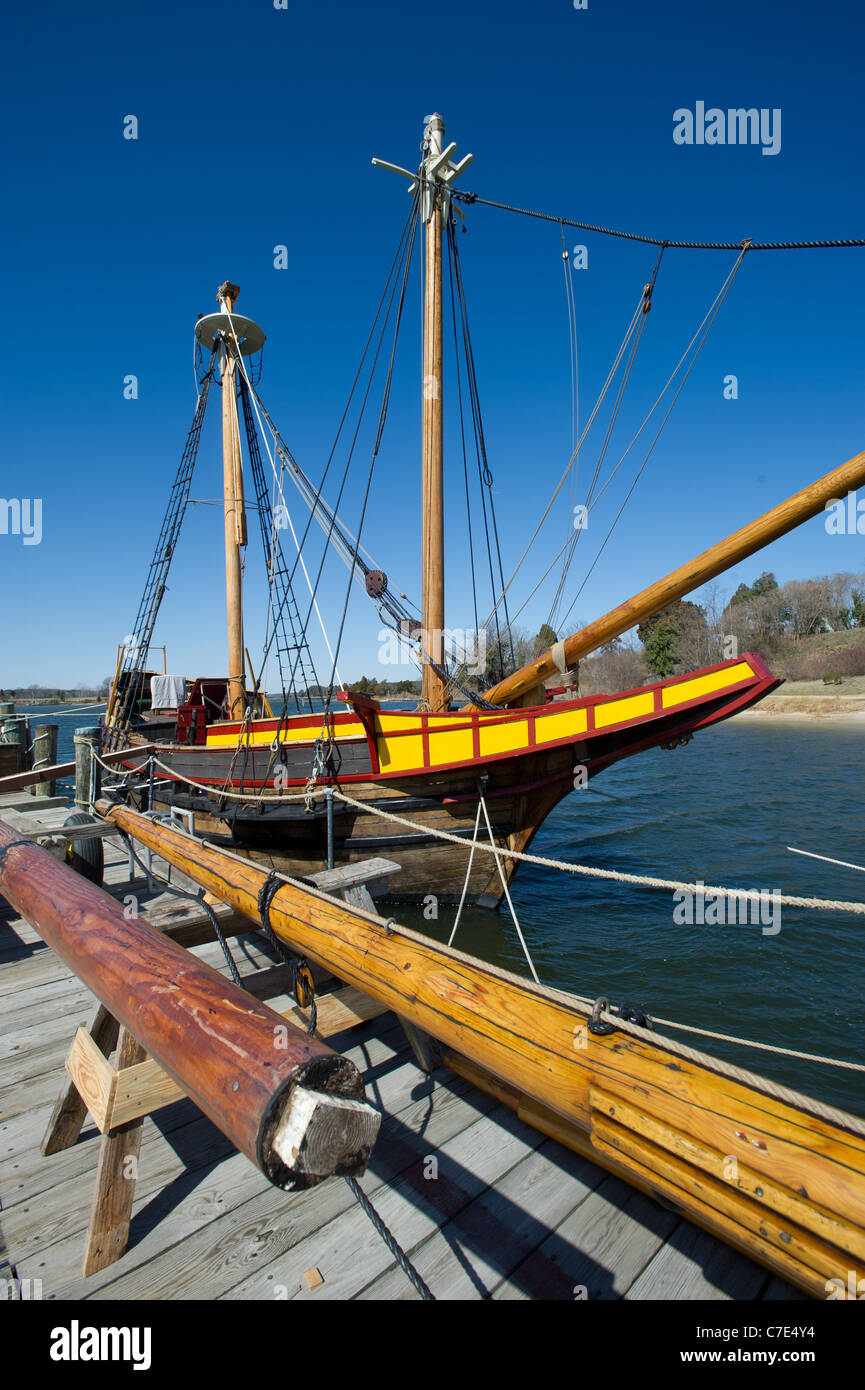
[
  {"x": 432, "y": 520},
  {"x": 48, "y": 774},
  {"x": 235, "y": 520},
  {"x": 294, "y": 1107},
  {"x": 801, "y": 507},
  {"x": 112, "y": 694},
  {"x": 799, "y": 1198}
]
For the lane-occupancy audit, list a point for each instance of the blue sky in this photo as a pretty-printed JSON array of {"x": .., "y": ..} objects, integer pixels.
[{"x": 256, "y": 129}]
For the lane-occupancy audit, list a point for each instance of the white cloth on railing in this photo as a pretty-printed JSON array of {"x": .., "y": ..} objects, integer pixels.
[{"x": 167, "y": 692}]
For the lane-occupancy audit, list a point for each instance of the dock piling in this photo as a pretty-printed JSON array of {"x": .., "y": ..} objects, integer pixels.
[
  {"x": 15, "y": 730},
  {"x": 88, "y": 774},
  {"x": 45, "y": 755}
]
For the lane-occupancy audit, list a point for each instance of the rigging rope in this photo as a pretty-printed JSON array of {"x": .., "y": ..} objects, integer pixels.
[
  {"x": 711, "y": 315},
  {"x": 289, "y": 590},
  {"x": 575, "y": 455},
  {"x": 482, "y": 806},
  {"x": 485, "y": 476},
  {"x": 592, "y": 500},
  {"x": 381, "y": 423},
  {"x": 614, "y": 415},
  {"x": 294, "y": 653},
  {"x": 125, "y": 696},
  {"x": 464, "y": 196},
  {"x": 406, "y": 239}
]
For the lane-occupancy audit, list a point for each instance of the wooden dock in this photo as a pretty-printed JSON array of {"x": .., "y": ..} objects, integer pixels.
[{"x": 485, "y": 1206}]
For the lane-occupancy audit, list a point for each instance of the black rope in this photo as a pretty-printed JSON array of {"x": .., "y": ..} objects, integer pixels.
[
  {"x": 395, "y": 1249},
  {"x": 380, "y": 431},
  {"x": 130, "y": 680},
  {"x": 552, "y": 619},
  {"x": 719, "y": 301},
  {"x": 484, "y": 472},
  {"x": 301, "y": 974},
  {"x": 466, "y": 197},
  {"x": 393, "y": 274},
  {"x": 295, "y": 660},
  {"x": 463, "y": 439}
]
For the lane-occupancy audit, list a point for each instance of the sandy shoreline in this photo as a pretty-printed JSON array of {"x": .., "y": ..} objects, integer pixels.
[
  {"x": 802, "y": 707},
  {"x": 854, "y": 717}
]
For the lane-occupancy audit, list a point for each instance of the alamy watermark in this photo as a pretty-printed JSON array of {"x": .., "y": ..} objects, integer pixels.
[
  {"x": 757, "y": 908},
  {"x": 77, "y": 1343},
  {"x": 739, "y": 126},
  {"x": 17, "y": 1290},
  {"x": 853, "y": 1289},
  {"x": 845, "y": 516},
  {"x": 468, "y": 647},
  {"x": 22, "y": 516}
]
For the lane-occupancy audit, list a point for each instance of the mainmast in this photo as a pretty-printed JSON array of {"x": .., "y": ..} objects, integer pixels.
[
  {"x": 433, "y": 693},
  {"x": 235, "y": 337},
  {"x": 436, "y": 175}
]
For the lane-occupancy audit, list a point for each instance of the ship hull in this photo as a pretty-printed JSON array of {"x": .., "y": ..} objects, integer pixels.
[{"x": 233, "y": 783}]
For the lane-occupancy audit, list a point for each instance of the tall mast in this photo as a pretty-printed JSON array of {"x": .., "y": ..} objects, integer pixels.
[
  {"x": 232, "y": 336},
  {"x": 433, "y": 691},
  {"x": 235, "y": 512},
  {"x": 436, "y": 174}
]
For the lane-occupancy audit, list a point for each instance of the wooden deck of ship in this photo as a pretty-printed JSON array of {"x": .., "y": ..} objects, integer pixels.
[{"x": 484, "y": 1206}]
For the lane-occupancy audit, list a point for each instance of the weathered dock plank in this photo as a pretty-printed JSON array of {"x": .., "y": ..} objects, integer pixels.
[
  {"x": 692, "y": 1265},
  {"x": 598, "y": 1251},
  {"x": 470, "y": 1255},
  {"x": 413, "y": 1205}
]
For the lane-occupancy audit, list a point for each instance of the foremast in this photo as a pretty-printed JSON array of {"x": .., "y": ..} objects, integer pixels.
[
  {"x": 232, "y": 336},
  {"x": 235, "y": 510}
]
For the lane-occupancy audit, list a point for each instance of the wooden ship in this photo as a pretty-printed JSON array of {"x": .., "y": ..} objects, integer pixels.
[
  {"x": 225, "y": 756},
  {"x": 773, "y": 1172}
]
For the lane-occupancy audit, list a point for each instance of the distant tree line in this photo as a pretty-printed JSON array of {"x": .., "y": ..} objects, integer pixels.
[
  {"x": 771, "y": 618},
  {"x": 32, "y": 693},
  {"x": 370, "y": 686}
]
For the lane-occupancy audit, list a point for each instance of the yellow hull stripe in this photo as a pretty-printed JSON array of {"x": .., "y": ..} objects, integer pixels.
[
  {"x": 549, "y": 727},
  {"x": 264, "y": 737},
  {"x": 618, "y": 710},
  {"x": 400, "y": 754},
  {"x": 673, "y": 695}
]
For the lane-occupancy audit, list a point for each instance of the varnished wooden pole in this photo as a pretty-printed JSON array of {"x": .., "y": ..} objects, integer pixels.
[
  {"x": 800, "y": 1189},
  {"x": 284, "y": 1099},
  {"x": 234, "y": 517},
  {"x": 433, "y": 689},
  {"x": 801, "y": 507}
]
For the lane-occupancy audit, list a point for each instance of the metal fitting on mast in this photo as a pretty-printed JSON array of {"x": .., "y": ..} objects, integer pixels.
[{"x": 437, "y": 171}]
